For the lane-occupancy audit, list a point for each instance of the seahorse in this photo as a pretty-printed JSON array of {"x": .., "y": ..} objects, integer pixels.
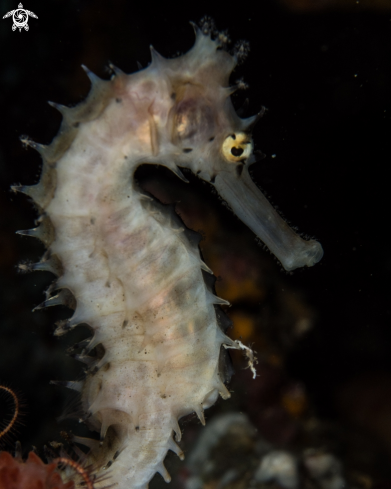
[{"x": 127, "y": 264}]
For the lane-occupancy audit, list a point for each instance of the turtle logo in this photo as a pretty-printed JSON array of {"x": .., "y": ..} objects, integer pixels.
[{"x": 20, "y": 17}]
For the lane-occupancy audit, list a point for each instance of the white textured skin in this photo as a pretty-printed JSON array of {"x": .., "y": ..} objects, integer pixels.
[
  {"x": 133, "y": 270},
  {"x": 129, "y": 267}
]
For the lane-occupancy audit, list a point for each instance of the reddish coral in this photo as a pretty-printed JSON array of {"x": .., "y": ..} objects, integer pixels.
[{"x": 31, "y": 474}]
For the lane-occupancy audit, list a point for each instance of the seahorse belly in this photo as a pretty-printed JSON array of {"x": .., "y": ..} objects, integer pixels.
[{"x": 139, "y": 285}]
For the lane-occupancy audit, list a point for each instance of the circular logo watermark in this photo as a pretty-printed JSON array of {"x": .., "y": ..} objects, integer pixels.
[{"x": 20, "y": 16}]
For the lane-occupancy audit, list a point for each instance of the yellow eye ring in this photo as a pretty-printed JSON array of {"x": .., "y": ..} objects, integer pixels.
[{"x": 237, "y": 147}]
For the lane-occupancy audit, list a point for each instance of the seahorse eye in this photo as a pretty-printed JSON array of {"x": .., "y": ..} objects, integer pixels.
[
  {"x": 237, "y": 147},
  {"x": 237, "y": 151}
]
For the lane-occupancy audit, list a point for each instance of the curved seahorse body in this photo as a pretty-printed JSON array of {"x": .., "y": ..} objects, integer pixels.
[
  {"x": 139, "y": 285},
  {"x": 135, "y": 270}
]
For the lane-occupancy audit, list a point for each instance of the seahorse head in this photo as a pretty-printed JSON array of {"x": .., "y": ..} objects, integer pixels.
[{"x": 195, "y": 126}]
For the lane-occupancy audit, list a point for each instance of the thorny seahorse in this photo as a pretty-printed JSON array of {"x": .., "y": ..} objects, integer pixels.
[{"x": 130, "y": 267}]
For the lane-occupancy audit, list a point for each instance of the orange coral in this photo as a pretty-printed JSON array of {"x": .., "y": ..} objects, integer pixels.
[{"x": 31, "y": 474}]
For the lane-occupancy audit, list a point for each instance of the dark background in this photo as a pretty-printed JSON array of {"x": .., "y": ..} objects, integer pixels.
[{"x": 323, "y": 70}]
